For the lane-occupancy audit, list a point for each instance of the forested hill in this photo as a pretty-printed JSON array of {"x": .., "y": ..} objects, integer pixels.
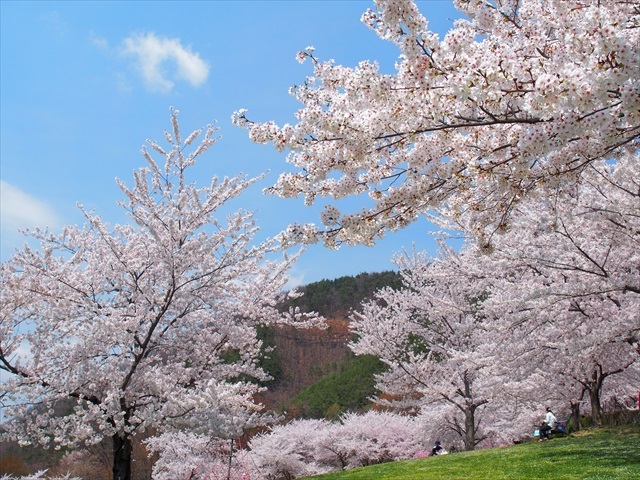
[
  {"x": 340, "y": 296},
  {"x": 305, "y": 356}
]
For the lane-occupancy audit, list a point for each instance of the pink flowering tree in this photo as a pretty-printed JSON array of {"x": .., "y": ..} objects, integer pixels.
[
  {"x": 440, "y": 348},
  {"x": 577, "y": 294},
  {"x": 549, "y": 316},
  {"x": 187, "y": 455},
  {"x": 516, "y": 100},
  {"x": 147, "y": 324},
  {"x": 40, "y": 475},
  {"x": 294, "y": 449},
  {"x": 311, "y": 447},
  {"x": 376, "y": 437}
]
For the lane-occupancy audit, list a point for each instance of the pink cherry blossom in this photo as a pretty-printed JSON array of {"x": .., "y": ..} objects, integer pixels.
[
  {"x": 517, "y": 99},
  {"x": 147, "y": 324}
]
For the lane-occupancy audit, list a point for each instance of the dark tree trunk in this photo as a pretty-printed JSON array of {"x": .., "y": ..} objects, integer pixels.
[
  {"x": 470, "y": 427},
  {"x": 468, "y": 406},
  {"x": 594, "y": 387},
  {"x": 575, "y": 416},
  {"x": 596, "y": 409},
  {"x": 122, "y": 450},
  {"x": 470, "y": 420}
]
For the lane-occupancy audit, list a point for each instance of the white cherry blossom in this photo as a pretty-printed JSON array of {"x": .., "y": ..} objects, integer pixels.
[
  {"x": 516, "y": 100},
  {"x": 148, "y": 324}
]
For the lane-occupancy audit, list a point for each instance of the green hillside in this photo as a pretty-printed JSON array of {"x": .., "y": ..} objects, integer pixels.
[
  {"x": 348, "y": 389},
  {"x": 608, "y": 453},
  {"x": 341, "y": 295}
]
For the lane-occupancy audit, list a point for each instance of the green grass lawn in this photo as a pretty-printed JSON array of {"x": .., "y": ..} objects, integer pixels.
[{"x": 607, "y": 453}]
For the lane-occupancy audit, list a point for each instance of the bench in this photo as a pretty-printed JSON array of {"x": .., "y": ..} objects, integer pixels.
[{"x": 561, "y": 428}]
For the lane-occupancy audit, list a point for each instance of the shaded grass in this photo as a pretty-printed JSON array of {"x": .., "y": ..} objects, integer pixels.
[{"x": 607, "y": 453}]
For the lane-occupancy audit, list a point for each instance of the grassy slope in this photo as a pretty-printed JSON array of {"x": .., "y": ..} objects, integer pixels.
[{"x": 608, "y": 453}]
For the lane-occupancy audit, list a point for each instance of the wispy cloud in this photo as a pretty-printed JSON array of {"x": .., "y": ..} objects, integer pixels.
[
  {"x": 54, "y": 23},
  {"x": 296, "y": 279},
  {"x": 20, "y": 210},
  {"x": 98, "y": 41},
  {"x": 162, "y": 60}
]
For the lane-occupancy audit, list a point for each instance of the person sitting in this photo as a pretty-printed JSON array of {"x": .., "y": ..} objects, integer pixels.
[
  {"x": 438, "y": 449},
  {"x": 549, "y": 423}
]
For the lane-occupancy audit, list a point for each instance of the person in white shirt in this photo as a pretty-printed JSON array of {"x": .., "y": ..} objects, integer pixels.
[{"x": 549, "y": 423}]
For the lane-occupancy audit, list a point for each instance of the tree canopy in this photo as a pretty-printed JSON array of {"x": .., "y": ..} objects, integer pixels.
[
  {"x": 516, "y": 100},
  {"x": 149, "y": 324}
]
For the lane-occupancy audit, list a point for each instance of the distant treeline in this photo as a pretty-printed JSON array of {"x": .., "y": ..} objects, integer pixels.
[{"x": 331, "y": 297}]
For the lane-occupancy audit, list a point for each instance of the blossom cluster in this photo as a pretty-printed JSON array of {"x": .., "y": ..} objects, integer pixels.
[
  {"x": 40, "y": 475},
  {"x": 147, "y": 325},
  {"x": 517, "y": 96},
  {"x": 550, "y": 315},
  {"x": 312, "y": 447}
]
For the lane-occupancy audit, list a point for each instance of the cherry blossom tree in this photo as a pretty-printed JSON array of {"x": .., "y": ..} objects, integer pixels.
[
  {"x": 41, "y": 475},
  {"x": 440, "y": 349},
  {"x": 578, "y": 295},
  {"x": 515, "y": 101},
  {"x": 148, "y": 324},
  {"x": 290, "y": 450},
  {"x": 192, "y": 456},
  {"x": 551, "y": 310},
  {"x": 376, "y": 437},
  {"x": 311, "y": 447}
]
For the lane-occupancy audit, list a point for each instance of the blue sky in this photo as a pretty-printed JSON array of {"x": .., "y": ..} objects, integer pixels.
[{"x": 84, "y": 84}]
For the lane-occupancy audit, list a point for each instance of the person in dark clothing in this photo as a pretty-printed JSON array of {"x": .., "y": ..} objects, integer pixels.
[{"x": 438, "y": 449}]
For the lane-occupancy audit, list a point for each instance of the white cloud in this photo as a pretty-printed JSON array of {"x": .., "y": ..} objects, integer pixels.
[
  {"x": 98, "y": 41},
  {"x": 295, "y": 280},
  {"x": 152, "y": 54},
  {"x": 20, "y": 210}
]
